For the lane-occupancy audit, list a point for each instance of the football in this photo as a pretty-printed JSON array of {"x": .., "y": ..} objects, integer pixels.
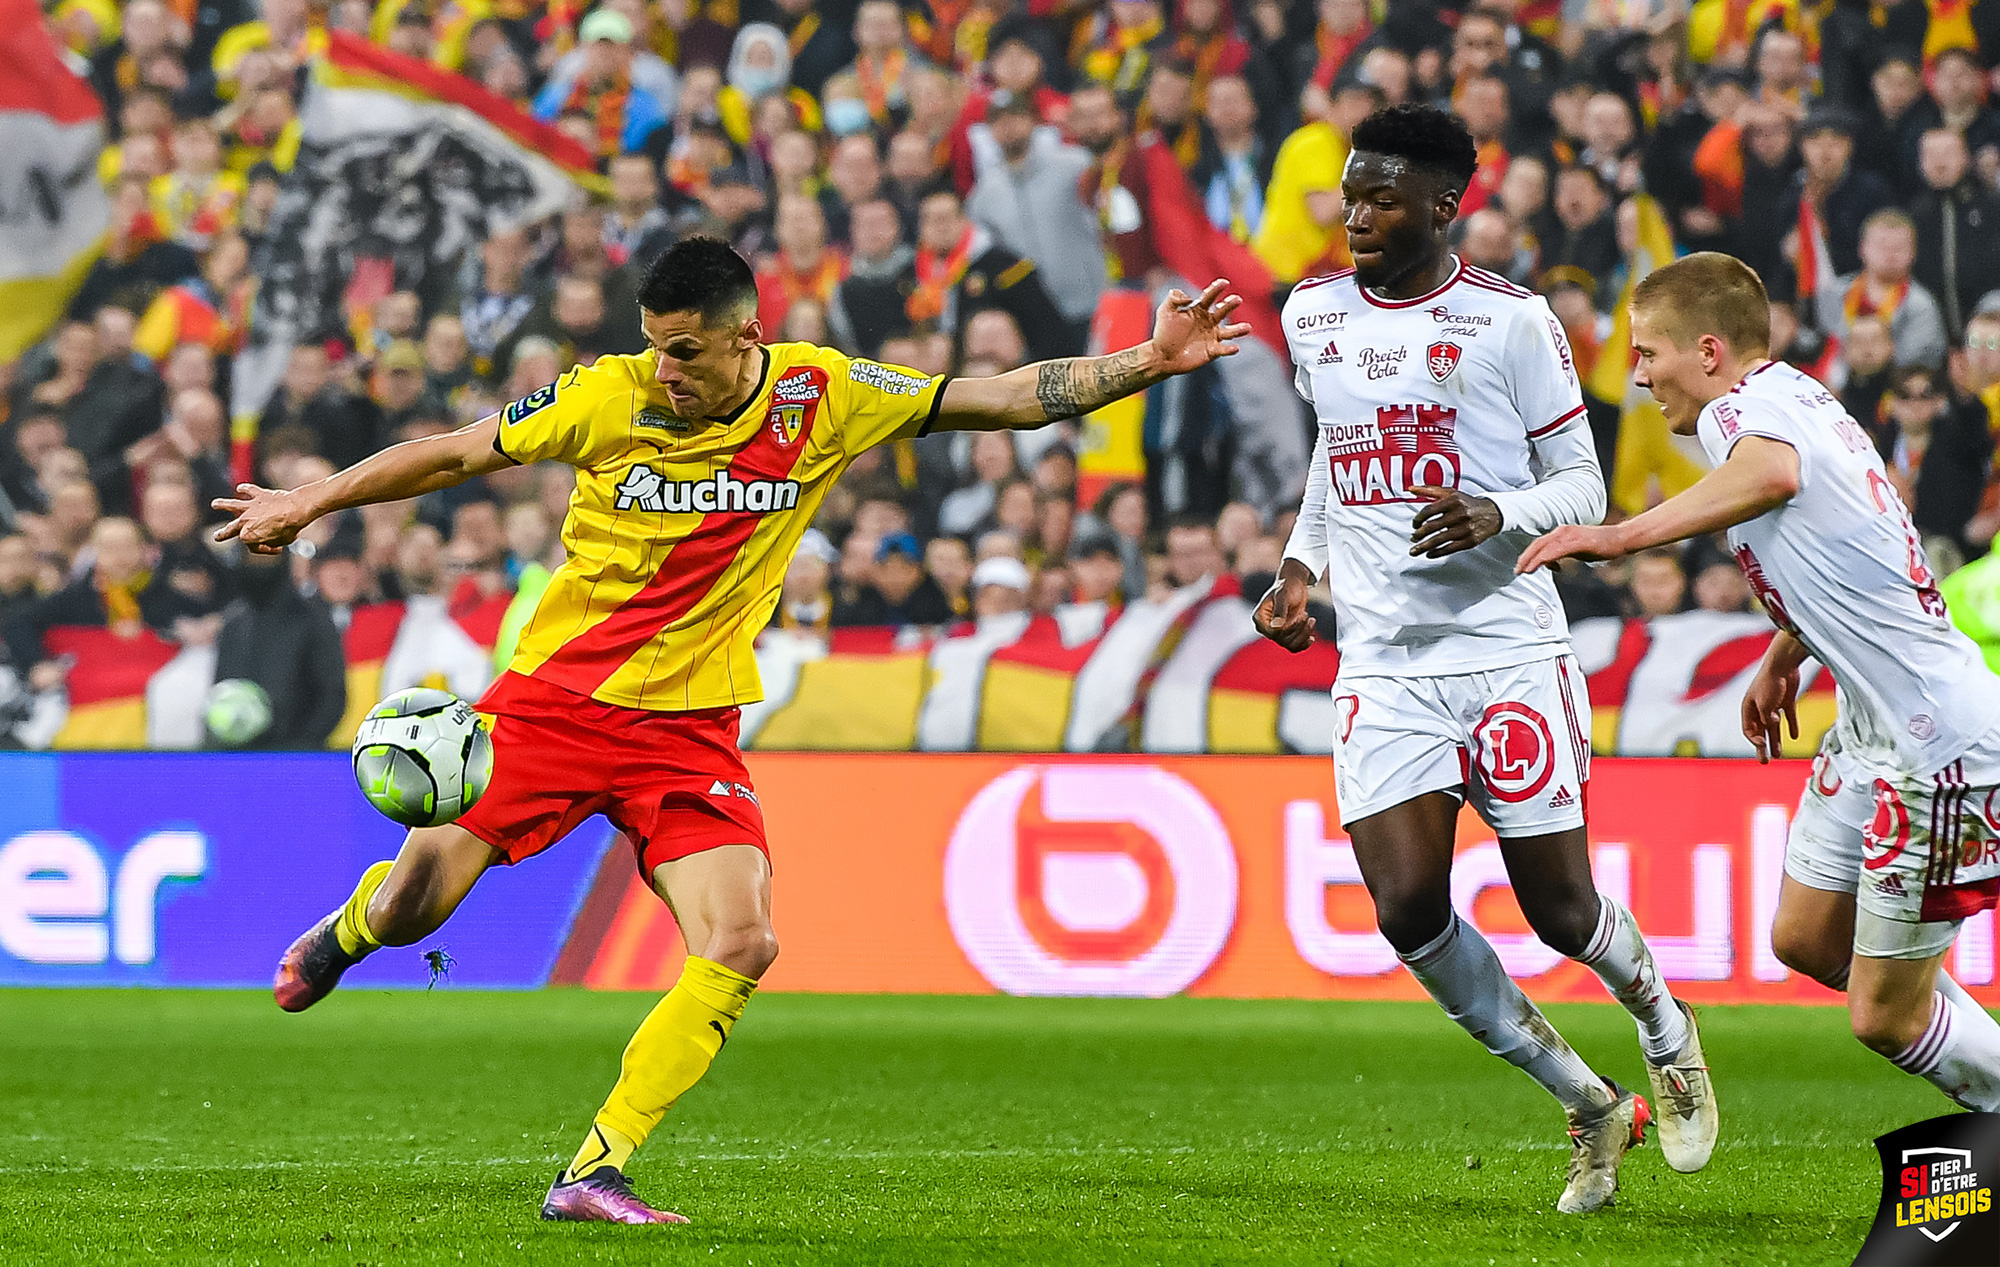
[
  {"x": 422, "y": 758},
  {"x": 236, "y": 712}
]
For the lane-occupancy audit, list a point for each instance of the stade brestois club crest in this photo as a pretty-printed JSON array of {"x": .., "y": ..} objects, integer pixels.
[
  {"x": 403, "y": 167},
  {"x": 1937, "y": 1195}
]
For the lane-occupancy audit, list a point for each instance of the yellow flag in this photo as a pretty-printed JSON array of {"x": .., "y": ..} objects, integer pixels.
[{"x": 1611, "y": 377}]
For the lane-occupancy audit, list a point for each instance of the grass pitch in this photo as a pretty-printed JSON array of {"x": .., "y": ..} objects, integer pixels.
[{"x": 141, "y": 1127}]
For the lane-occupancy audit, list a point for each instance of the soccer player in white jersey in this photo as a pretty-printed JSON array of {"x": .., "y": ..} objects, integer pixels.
[
  {"x": 1895, "y": 839},
  {"x": 1451, "y": 432}
]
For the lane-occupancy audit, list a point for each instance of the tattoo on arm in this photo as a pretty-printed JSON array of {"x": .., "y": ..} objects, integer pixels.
[{"x": 1077, "y": 385}]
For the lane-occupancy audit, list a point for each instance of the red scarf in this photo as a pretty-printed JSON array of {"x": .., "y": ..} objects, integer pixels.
[
  {"x": 1857, "y": 304},
  {"x": 878, "y": 82},
  {"x": 936, "y": 275},
  {"x": 1334, "y": 50},
  {"x": 606, "y": 107}
]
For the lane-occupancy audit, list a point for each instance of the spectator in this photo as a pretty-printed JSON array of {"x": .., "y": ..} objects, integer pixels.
[
  {"x": 578, "y": 320},
  {"x": 496, "y": 297},
  {"x": 1659, "y": 587},
  {"x": 447, "y": 358},
  {"x": 993, "y": 461},
  {"x": 1958, "y": 102},
  {"x": 962, "y": 271},
  {"x": 636, "y": 228},
  {"x": 1871, "y": 357},
  {"x": 804, "y": 603},
  {"x": 1301, "y": 233},
  {"x": 622, "y": 114},
  {"x": 172, "y": 518},
  {"x": 1883, "y": 288},
  {"x": 884, "y": 64},
  {"x": 804, "y": 265},
  {"x": 1016, "y": 65},
  {"x": 1032, "y": 205},
  {"x": 136, "y": 264},
  {"x": 1586, "y": 236},
  {"x": 1841, "y": 195},
  {"x": 898, "y": 592},
  {"x": 1234, "y": 168},
  {"x": 401, "y": 389},
  {"x": 1000, "y": 588},
  {"x": 1982, "y": 360},
  {"x": 1769, "y": 209},
  {"x": 429, "y": 642},
  {"x": 949, "y": 562},
  {"x": 1719, "y": 587},
  {"x": 105, "y": 402},
  {"x": 345, "y": 428},
  {"x": 854, "y": 176},
  {"x": 1888, "y": 144},
  {"x": 1482, "y": 103},
  {"x": 1938, "y": 451},
  {"x": 1120, "y": 45},
  {"x": 287, "y": 644},
  {"x": 1193, "y": 555},
  {"x": 114, "y": 594},
  {"x": 1097, "y": 570},
  {"x": 871, "y": 304},
  {"x": 1957, "y": 219},
  {"x": 1121, "y": 511}
]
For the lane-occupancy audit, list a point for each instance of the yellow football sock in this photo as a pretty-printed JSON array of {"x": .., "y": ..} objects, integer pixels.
[
  {"x": 669, "y": 1053},
  {"x": 351, "y": 929}
]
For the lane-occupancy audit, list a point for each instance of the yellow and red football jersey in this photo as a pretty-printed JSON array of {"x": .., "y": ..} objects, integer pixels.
[{"x": 679, "y": 534}]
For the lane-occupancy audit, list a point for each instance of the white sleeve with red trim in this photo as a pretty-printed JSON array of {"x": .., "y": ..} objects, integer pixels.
[
  {"x": 1570, "y": 489},
  {"x": 1309, "y": 539},
  {"x": 1544, "y": 388}
]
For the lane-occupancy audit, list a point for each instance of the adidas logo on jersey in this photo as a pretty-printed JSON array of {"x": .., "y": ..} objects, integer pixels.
[
  {"x": 1891, "y": 884},
  {"x": 1331, "y": 356},
  {"x": 644, "y": 488},
  {"x": 1562, "y": 799},
  {"x": 722, "y": 787}
]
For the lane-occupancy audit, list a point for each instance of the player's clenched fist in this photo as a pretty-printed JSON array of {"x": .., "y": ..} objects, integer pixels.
[{"x": 1282, "y": 617}]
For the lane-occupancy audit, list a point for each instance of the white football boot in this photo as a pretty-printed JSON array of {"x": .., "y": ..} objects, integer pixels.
[
  {"x": 1598, "y": 1144},
  {"x": 1684, "y": 1104}
]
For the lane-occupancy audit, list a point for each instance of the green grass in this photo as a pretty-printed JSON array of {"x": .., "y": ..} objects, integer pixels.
[{"x": 411, "y": 1128}]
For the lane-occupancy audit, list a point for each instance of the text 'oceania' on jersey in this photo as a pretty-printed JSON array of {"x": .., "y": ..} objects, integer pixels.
[
  {"x": 644, "y": 488},
  {"x": 1406, "y": 446}
]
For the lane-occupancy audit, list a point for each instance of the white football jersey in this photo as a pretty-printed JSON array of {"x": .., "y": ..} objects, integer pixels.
[
  {"x": 1841, "y": 567},
  {"x": 1460, "y": 388}
]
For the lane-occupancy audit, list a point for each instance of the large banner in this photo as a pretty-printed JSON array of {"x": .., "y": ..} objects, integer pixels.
[
  {"x": 1144, "y": 876},
  {"x": 53, "y": 211}
]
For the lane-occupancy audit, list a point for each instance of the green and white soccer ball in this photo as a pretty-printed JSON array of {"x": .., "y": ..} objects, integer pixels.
[
  {"x": 422, "y": 758},
  {"x": 236, "y": 712}
]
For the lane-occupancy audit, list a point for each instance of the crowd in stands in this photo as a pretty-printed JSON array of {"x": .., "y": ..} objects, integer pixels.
[{"x": 955, "y": 186}]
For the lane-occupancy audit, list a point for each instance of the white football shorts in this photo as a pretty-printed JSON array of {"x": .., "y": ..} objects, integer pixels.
[
  {"x": 1515, "y": 742},
  {"x": 1919, "y": 852}
]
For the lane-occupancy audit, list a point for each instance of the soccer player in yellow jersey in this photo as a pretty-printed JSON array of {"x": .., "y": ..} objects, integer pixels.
[{"x": 700, "y": 464}]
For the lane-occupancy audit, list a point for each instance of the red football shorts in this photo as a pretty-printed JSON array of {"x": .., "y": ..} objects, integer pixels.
[{"x": 674, "y": 783}]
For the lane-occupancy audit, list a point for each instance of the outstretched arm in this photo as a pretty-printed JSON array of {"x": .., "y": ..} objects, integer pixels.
[
  {"x": 1188, "y": 333},
  {"x": 1759, "y": 475},
  {"x": 266, "y": 520}
]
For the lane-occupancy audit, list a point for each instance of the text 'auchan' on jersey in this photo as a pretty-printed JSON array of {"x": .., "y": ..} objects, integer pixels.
[{"x": 644, "y": 488}]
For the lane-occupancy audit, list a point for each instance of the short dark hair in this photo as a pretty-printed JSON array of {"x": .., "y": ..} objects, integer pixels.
[
  {"x": 699, "y": 274},
  {"x": 1430, "y": 138}
]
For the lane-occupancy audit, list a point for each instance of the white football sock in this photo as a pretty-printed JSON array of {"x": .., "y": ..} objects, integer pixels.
[
  {"x": 1618, "y": 955},
  {"x": 1957, "y": 1055},
  {"x": 1966, "y": 1008},
  {"x": 1463, "y": 974}
]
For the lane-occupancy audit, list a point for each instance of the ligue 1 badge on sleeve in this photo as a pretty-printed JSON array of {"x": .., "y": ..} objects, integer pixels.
[{"x": 1937, "y": 1195}]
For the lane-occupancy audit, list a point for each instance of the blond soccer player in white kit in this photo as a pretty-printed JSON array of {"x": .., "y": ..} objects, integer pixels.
[
  {"x": 1895, "y": 839},
  {"x": 1451, "y": 431}
]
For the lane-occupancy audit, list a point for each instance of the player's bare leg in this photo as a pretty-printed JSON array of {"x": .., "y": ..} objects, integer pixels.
[
  {"x": 1908, "y": 1010},
  {"x": 722, "y": 900},
  {"x": 393, "y": 905},
  {"x": 1404, "y": 854},
  {"x": 1552, "y": 881}
]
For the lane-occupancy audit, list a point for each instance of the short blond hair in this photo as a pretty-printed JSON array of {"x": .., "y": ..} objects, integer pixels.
[{"x": 1708, "y": 293}]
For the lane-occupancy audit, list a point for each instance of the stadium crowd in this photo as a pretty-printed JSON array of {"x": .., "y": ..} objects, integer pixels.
[{"x": 956, "y": 187}]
